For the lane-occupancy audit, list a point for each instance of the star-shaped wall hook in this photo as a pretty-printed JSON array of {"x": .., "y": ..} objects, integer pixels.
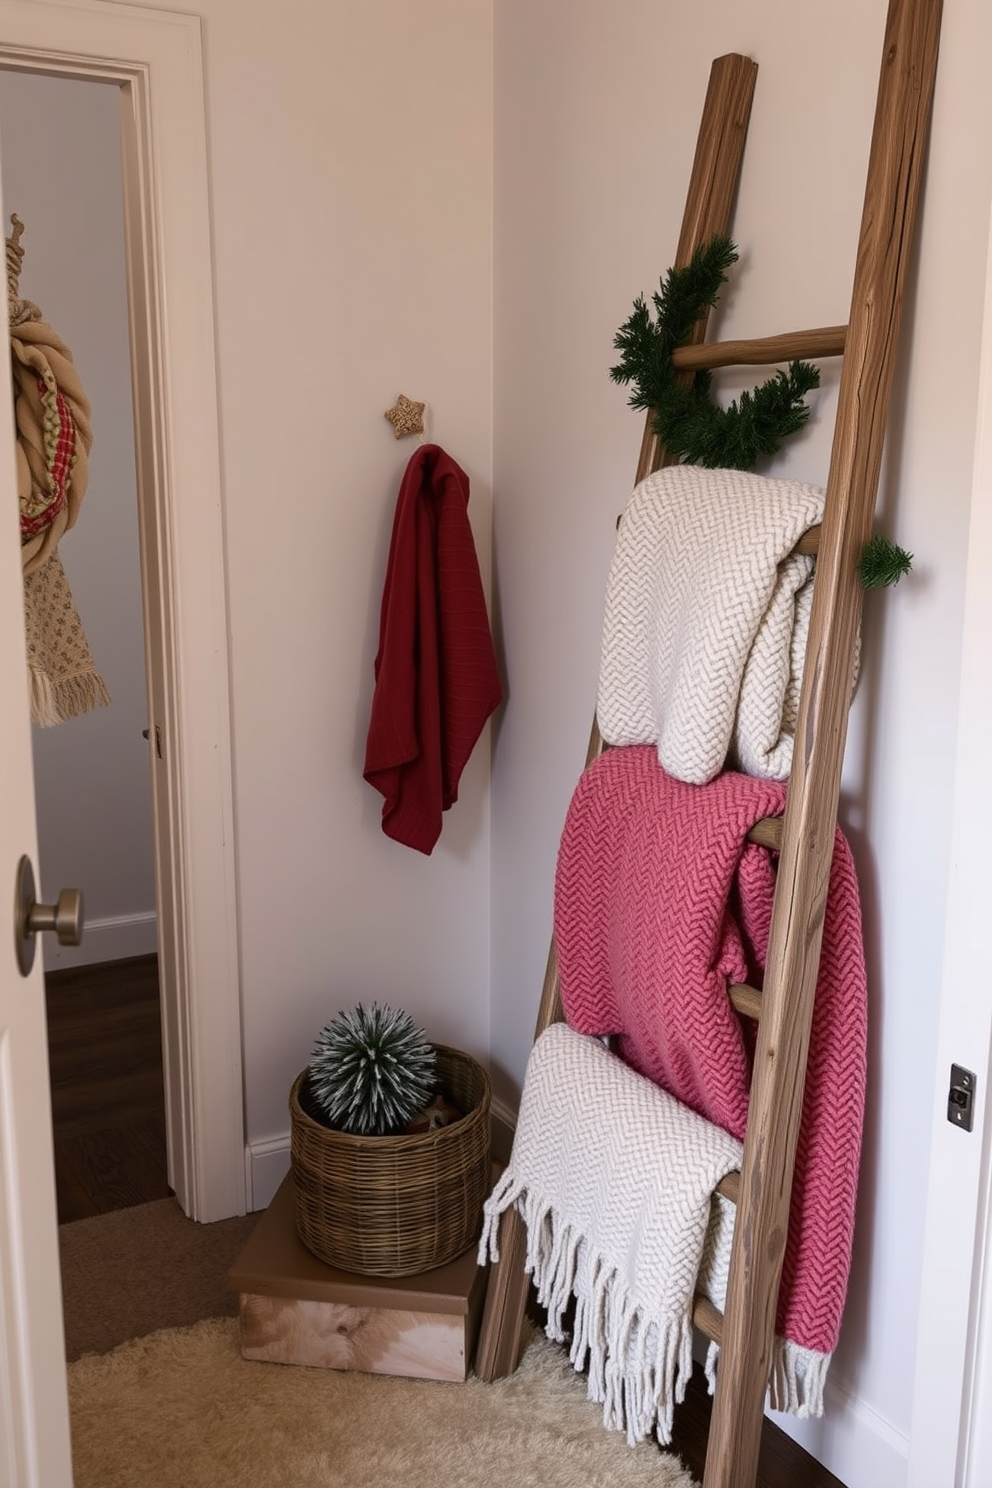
[{"x": 406, "y": 416}]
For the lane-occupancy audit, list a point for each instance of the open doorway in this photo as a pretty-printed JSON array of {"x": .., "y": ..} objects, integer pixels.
[
  {"x": 92, "y": 785},
  {"x": 151, "y": 60}
]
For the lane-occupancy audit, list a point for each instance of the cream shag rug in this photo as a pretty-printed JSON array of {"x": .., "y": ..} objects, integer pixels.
[{"x": 182, "y": 1407}]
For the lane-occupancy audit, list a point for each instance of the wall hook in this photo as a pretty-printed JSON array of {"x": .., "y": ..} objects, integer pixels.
[{"x": 406, "y": 416}]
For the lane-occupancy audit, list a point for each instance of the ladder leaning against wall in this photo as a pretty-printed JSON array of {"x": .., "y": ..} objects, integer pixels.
[{"x": 804, "y": 835}]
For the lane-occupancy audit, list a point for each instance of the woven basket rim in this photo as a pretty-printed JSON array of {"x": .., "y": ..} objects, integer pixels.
[{"x": 402, "y": 1140}]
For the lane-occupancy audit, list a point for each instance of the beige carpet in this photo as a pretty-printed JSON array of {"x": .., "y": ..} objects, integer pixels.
[
  {"x": 182, "y": 1409},
  {"x": 137, "y": 1270}
]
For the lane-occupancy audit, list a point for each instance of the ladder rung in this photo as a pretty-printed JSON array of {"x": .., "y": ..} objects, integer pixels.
[
  {"x": 809, "y": 543},
  {"x": 762, "y": 351},
  {"x": 730, "y": 1186},
  {"x": 767, "y": 832},
  {"x": 745, "y": 999},
  {"x": 707, "y": 1318}
]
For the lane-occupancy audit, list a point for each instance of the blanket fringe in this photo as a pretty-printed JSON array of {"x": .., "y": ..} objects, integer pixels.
[
  {"x": 637, "y": 1369},
  {"x": 796, "y": 1379},
  {"x": 55, "y": 702}
]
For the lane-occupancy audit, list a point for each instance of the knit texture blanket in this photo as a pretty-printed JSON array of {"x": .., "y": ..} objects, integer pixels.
[
  {"x": 613, "y": 1180},
  {"x": 706, "y": 619},
  {"x": 54, "y": 437},
  {"x": 660, "y": 903}
]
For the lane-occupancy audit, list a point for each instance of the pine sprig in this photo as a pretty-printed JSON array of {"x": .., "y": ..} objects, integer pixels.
[
  {"x": 371, "y": 1070},
  {"x": 882, "y": 563},
  {"x": 692, "y": 427}
]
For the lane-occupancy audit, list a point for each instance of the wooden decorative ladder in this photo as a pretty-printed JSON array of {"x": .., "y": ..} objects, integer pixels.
[{"x": 804, "y": 836}]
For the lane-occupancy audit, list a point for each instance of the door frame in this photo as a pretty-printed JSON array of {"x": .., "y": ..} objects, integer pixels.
[{"x": 155, "y": 59}]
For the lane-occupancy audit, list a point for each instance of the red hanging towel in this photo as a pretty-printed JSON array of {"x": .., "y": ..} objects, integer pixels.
[{"x": 436, "y": 679}]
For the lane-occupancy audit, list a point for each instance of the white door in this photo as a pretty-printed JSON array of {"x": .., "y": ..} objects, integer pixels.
[{"x": 34, "y": 1413}]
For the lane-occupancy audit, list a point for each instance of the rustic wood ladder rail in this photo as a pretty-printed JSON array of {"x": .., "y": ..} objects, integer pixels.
[{"x": 804, "y": 836}]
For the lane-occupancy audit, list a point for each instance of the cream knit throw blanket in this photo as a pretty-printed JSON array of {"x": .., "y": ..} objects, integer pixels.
[
  {"x": 54, "y": 436},
  {"x": 613, "y": 1179},
  {"x": 707, "y": 613}
]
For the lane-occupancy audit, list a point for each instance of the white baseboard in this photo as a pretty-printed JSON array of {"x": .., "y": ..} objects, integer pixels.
[
  {"x": 503, "y": 1119},
  {"x": 266, "y": 1165},
  {"x": 851, "y": 1439},
  {"x": 111, "y": 939}
]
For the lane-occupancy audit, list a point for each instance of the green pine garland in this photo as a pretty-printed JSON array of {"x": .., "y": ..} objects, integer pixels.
[
  {"x": 692, "y": 427},
  {"x": 371, "y": 1070}
]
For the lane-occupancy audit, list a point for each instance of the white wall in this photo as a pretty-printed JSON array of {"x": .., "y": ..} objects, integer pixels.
[
  {"x": 596, "y": 115},
  {"x": 351, "y": 180},
  {"x": 62, "y": 177}
]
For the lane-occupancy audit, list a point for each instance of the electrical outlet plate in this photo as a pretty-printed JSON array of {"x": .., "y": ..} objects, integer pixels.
[{"x": 961, "y": 1098}]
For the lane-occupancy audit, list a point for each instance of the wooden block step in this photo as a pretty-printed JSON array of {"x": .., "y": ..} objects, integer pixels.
[{"x": 294, "y": 1309}]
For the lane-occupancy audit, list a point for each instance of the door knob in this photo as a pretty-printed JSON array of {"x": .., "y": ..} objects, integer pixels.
[{"x": 64, "y": 917}]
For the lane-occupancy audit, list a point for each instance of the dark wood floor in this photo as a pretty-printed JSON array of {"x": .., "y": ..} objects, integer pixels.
[
  {"x": 105, "y": 1052},
  {"x": 781, "y": 1464},
  {"x": 108, "y": 1102}
]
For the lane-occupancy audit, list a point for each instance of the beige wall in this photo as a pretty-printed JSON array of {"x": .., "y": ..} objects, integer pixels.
[
  {"x": 350, "y": 163},
  {"x": 350, "y": 153},
  {"x": 596, "y": 113}
]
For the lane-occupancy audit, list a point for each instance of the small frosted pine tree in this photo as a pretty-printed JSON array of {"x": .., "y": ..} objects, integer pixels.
[{"x": 371, "y": 1070}]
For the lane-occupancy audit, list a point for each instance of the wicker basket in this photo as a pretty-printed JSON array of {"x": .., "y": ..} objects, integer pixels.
[{"x": 395, "y": 1206}]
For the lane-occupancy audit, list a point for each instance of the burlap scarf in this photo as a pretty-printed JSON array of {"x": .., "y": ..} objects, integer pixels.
[{"x": 54, "y": 436}]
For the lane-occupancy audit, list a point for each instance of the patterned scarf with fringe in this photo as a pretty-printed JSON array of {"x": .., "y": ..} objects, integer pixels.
[{"x": 54, "y": 436}]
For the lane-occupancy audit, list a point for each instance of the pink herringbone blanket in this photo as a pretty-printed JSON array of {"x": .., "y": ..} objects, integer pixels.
[{"x": 660, "y": 903}]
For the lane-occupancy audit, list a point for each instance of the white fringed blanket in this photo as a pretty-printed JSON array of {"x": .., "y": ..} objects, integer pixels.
[
  {"x": 706, "y": 618},
  {"x": 613, "y": 1178}
]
